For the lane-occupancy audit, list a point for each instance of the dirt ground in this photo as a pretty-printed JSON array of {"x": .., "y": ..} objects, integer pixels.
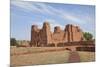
[{"x": 45, "y": 55}]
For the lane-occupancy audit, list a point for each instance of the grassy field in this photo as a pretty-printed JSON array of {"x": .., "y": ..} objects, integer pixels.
[
  {"x": 20, "y": 50},
  {"x": 87, "y": 56},
  {"x": 35, "y": 57}
]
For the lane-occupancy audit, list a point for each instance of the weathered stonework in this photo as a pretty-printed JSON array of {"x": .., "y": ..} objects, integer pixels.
[{"x": 44, "y": 37}]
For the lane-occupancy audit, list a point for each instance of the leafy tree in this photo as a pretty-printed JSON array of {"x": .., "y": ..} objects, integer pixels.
[
  {"x": 13, "y": 42},
  {"x": 87, "y": 36}
]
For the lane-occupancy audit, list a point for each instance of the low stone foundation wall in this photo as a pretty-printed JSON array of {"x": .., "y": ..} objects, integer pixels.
[
  {"x": 91, "y": 49},
  {"x": 76, "y": 46},
  {"x": 83, "y": 43}
]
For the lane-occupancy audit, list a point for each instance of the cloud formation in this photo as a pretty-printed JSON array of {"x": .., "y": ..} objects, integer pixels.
[{"x": 47, "y": 9}]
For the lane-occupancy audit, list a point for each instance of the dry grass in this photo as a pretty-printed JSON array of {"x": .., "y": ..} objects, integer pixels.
[
  {"x": 50, "y": 57},
  {"x": 20, "y": 50},
  {"x": 87, "y": 56},
  {"x": 40, "y": 58}
]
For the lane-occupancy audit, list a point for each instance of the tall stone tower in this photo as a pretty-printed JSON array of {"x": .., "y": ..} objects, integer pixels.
[
  {"x": 73, "y": 33},
  {"x": 34, "y": 35},
  {"x": 45, "y": 34}
]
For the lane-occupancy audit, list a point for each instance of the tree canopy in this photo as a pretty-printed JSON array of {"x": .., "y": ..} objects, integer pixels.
[
  {"x": 87, "y": 36},
  {"x": 13, "y": 42}
]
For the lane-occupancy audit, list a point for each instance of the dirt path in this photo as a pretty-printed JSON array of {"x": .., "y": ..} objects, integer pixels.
[{"x": 74, "y": 57}]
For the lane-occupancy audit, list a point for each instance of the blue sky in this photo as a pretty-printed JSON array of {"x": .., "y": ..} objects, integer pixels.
[{"x": 24, "y": 14}]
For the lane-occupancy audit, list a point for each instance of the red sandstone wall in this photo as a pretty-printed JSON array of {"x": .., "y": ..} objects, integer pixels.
[{"x": 44, "y": 37}]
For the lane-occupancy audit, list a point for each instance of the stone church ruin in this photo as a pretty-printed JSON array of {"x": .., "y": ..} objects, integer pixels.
[{"x": 44, "y": 37}]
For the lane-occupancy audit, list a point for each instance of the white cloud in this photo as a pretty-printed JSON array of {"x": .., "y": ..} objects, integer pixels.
[
  {"x": 47, "y": 9},
  {"x": 25, "y": 5},
  {"x": 28, "y": 6}
]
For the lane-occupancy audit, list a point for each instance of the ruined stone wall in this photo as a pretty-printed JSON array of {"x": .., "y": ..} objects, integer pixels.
[
  {"x": 34, "y": 35},
  {"x": 44, "y": 36},
  {"x": 58, "y": 35}
]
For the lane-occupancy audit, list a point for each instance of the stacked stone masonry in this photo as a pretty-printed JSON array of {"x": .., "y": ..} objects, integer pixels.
[{"x": 44, "y": 36}]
